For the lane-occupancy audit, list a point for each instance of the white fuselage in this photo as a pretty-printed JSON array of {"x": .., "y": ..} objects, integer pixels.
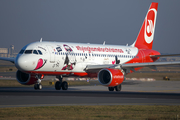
[{"x": 70, "y": 57}]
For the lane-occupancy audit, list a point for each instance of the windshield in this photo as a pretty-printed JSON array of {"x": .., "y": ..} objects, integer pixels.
[
  {"x": 28, "y": 52},
  {"x": 37, "y": 52}
]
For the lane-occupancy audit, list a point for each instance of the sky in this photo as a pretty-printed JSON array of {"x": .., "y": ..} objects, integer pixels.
[{"x": 87, "y": 21}]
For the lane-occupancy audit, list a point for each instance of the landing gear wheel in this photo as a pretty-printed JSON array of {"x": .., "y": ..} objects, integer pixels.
[
  {"x": 58, "y": 85},
  {"x": 118, "y": 87},
  {"x": 111, "y": 88},
  {"x": 37, "y": 86},
  {"x": 64, "y": 85}
]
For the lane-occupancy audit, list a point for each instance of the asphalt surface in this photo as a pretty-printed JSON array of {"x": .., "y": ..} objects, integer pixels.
[{"x": 133, "y": 93}]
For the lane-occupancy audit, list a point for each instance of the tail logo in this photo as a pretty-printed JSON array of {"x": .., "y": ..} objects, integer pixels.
[
  {"x": 150, "y": 28},
  {"x": 149, "y": 25}
]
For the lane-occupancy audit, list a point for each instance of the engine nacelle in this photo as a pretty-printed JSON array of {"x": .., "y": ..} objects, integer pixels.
[
  {"x": 25, "y": 79},
  {"x": 110, "y": 77}
]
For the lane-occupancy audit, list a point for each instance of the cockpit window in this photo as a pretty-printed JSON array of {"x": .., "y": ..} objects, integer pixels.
[
  {"x": 31, "y": 52},
  {"x": 21, "y": 52},
  {"x": 40, "y": 52},
  {"x": 28, "y": 52},
  {"x": 35, "y": 52}
]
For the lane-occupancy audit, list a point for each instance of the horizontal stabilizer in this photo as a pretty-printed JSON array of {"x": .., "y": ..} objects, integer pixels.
[
  {"x": 135, "y": 65},
  {"x": 155, "y": 56}
]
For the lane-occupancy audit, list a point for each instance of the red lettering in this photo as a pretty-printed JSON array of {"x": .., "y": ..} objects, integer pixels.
[{"x": 98, "y": 49}]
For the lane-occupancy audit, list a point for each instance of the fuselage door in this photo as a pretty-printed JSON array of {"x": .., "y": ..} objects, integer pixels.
[{"x": 52, "y": 53}]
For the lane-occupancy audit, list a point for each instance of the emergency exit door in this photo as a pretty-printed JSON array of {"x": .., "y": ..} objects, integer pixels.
[{"x": 52, "y": 53}]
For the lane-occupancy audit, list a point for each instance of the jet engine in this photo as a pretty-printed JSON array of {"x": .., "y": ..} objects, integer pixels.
[
  {"x": 25, "y": 79},
  {"x": 110, "y": 77}
]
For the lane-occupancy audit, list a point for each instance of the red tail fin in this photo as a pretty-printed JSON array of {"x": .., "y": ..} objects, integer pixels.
[{"x": 146, "y": 34}]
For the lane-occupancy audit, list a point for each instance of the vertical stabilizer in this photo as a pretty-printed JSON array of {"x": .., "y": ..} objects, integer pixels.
[{"x": 146, "y": 35}]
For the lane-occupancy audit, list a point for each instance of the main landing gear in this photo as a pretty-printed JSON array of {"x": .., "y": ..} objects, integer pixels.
[
  {"x": 38, "y": 85},
  {"x": 117, "y": 88},
  {"x": 59, "y": 84}
]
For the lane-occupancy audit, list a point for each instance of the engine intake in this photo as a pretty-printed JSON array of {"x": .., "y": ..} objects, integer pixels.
[
  {"x": 110, "y": 77},
  {"x": 25, "y": 79}
]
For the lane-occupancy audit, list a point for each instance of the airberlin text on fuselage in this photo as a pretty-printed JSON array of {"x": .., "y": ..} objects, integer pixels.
[{"x": 98, "y": 49}]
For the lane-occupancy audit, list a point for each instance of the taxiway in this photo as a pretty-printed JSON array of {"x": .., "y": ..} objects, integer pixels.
[{"x": 133, "y": 93}]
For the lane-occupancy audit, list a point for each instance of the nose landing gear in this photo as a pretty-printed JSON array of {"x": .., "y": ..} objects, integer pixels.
[{"x": 38, "y": 85}]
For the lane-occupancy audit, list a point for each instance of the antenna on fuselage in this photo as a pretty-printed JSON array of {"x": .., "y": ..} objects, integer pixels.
[
  {"x": 104, "y": 42},
  {"x": 40, "y": 40}
]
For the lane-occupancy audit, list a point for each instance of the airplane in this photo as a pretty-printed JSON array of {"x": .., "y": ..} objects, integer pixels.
[{"x": 109, "y": 63}]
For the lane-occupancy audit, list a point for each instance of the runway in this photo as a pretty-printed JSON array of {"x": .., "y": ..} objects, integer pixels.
[{"x": 133, "y": 93}]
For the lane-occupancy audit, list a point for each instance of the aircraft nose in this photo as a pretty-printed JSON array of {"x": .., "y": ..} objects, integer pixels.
[{"x": 23, "y": 63}]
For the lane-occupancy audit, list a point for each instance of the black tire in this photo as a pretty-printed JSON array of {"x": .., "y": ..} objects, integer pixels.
[
  {"x": 111, "y": 88},
  {"x": 39, "y": 86},
  {"x": 118, "y": 87},
  {"x": 35, "y": 86},
  {"x": 58, "y": 85},
  {"x": 64, "y": 85}
]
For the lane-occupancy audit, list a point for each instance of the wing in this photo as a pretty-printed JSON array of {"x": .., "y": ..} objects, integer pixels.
[
  {"x": 8, "y": 59},
  {"x": 130, "y": 66}
]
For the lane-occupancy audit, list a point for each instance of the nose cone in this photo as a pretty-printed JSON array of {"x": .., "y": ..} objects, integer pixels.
[{"x": 24, "y": 63}]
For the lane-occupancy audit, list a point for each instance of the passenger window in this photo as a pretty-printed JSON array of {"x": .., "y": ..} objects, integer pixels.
[
  {"x": 35, "y": 52},
  {"x": 40, "y": 52},
  {"x": 28, "y": 52}
]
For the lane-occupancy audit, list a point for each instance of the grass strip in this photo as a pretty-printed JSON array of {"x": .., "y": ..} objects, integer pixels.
[{"x": 115, "y": 112}]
